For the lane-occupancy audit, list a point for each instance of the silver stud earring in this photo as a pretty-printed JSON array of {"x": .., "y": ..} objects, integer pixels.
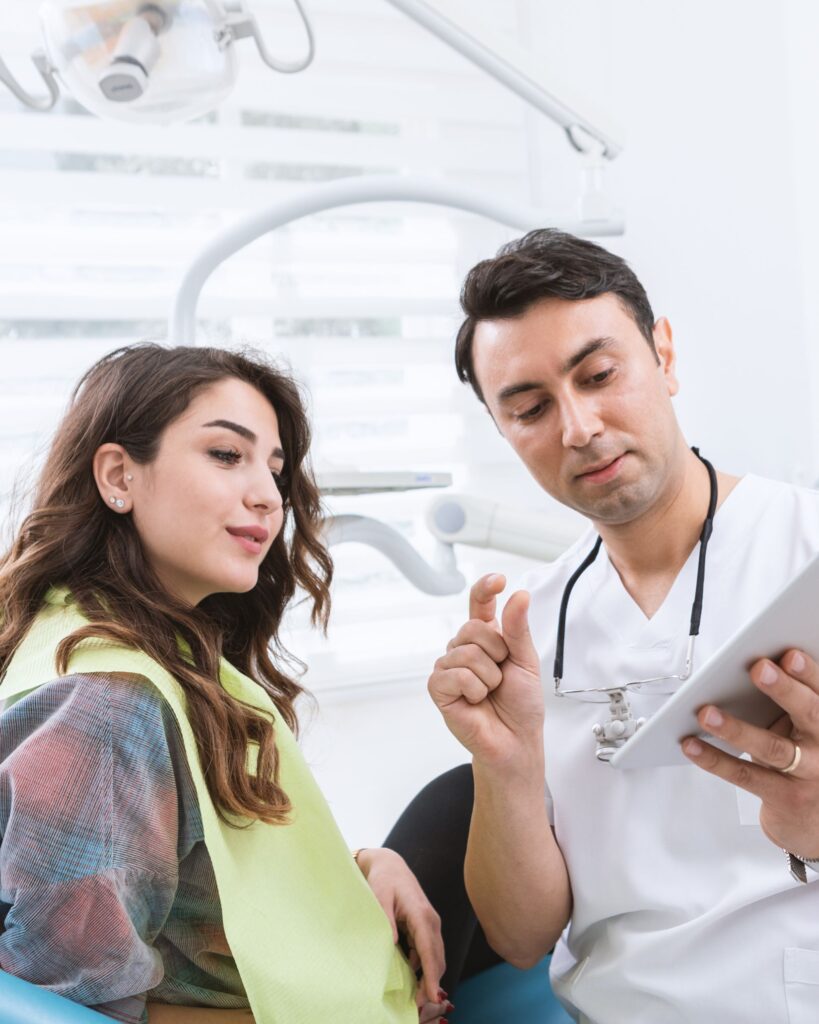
[
  {"x": 120, "y": 503},
  {"x": 113, "y": 500}
]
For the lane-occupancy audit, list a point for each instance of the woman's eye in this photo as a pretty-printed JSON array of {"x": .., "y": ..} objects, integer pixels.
[{"x": 225, "y": 455}]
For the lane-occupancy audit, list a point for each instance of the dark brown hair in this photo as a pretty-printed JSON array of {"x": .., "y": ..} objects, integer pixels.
[
  {"x": 544, "y": 264},
  {"x": 72, "y": 538}
]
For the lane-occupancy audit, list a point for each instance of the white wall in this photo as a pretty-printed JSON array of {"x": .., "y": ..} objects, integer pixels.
[
  {"x": 717, "y": 103},
  {"x": 704, "y": 93}
]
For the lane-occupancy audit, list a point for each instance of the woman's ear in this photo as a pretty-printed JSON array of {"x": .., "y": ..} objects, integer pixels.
[{"x": 113, "y": 477}]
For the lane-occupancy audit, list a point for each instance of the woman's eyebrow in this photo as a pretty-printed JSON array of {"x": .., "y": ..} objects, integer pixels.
[{"x": 244, "y": 432}]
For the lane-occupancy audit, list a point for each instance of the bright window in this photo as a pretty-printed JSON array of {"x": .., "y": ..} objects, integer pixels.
[{"x": 99, "y": 220}]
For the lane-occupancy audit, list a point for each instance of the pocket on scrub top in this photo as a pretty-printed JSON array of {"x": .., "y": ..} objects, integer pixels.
[{"x": 802, "y": 985}]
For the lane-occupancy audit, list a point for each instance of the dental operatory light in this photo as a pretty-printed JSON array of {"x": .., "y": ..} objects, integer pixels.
[{"x": 157, "y": 61}]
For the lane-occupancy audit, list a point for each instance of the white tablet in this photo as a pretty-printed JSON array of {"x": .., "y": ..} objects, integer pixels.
[{"x": 790, "y": 620}]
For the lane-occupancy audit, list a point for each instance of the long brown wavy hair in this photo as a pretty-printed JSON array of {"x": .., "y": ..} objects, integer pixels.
[{"x": 71, "y": 538}]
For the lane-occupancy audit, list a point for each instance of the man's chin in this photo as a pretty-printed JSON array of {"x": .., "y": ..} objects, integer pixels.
[{"x": 616, "y": 504}]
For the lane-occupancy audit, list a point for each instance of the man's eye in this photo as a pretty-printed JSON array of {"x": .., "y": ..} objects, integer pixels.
[
  {"x": 602, "y": 377},
  {"x": 532, "y": 413},
  {"x": 225, "y": 455}
]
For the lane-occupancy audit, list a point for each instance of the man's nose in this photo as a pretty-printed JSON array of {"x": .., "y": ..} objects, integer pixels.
[{"x": 580, "y": 421}]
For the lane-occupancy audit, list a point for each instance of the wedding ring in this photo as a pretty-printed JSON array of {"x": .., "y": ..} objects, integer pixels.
[{"x": 797, "y": 757}]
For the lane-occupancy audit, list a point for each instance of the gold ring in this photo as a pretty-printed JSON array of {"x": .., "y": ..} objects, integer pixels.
[{"x": 797, "y": 757}]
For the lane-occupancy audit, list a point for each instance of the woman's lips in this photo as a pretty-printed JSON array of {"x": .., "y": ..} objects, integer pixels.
[
  {"x": 605, "y": 473},
  {"x": 253, "y": 547}
]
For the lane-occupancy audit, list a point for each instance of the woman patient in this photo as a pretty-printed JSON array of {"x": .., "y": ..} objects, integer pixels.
[{"x": 166, "y": 855}]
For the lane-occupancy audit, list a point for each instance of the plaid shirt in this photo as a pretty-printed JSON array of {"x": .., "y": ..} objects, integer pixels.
[{"x": 107, "y": 892}]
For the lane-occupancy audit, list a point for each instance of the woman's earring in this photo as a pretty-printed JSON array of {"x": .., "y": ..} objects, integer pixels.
[
  {"x": 117, "y": 501},
  {"x": 129, "y": 476}
]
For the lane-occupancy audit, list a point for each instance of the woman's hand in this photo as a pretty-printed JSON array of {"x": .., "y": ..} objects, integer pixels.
[{"x": 409, "y": 911}]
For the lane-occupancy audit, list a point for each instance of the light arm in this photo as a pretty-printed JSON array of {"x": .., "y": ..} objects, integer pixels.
[
  {"x": 510, "y": 65},
  {"x": 334, "y": 194}
]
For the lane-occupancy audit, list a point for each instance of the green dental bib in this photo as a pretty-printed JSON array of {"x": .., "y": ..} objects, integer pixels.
[{"x": 310, "y": 940}]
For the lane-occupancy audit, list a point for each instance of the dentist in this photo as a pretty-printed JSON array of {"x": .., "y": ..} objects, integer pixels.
[{"x": 666, "y": 890}]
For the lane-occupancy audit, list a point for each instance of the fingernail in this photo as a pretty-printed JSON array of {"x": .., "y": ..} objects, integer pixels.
[
  {"x": 692, "y": 747},
  {"x": 768, "y": 674},
  {"x": 492, "y": 578},
  {"x": 797, "y": 661},
  {"x": 442, "y": 995},
  {"x": 713, "y": 718},
  {"x": 449, "y": 1006},
  {"x": 443, "y": 1020}
]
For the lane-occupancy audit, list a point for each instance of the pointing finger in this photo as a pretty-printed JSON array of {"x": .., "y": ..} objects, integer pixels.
[
  {"x": 515, "y": 626},
  {"x": 483, "y": 595}
]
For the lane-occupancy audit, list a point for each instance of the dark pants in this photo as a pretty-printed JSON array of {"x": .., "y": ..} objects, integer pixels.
[{"x": 431, "y": 836}]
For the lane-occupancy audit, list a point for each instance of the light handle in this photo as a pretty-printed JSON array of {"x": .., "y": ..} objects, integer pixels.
[
  {"x": 40, "y": 103},
  {"x": 241, "y": 24}
]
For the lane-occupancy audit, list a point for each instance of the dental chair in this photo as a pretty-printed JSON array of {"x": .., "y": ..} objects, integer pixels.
[
  {"x": 501, "y": 993},
  {"x": 505, "y": 993},
  {"x": 24, "y": 1003}
]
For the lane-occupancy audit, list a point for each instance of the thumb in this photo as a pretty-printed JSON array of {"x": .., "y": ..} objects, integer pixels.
[{"x": 515, "y": 630}]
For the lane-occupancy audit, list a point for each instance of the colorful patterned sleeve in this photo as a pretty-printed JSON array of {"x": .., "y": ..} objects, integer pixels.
[{"x": 89, "y": 825}]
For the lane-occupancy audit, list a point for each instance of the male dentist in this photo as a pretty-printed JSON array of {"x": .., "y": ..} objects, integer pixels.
[{"x": 667, "y": 890}]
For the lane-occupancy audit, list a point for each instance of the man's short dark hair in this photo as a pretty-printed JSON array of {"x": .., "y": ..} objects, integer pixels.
[{"x": 544, "y": 264}]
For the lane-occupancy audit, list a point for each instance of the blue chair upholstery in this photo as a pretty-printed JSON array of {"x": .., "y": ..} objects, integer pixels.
[
  {"x": 24, "y": 1003},
  {"x": 505, "y": 993},
  {"x": 501, "y": 993}
]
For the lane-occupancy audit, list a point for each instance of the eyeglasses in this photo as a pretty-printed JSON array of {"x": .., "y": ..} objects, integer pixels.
[{"x": 654, "y": 686}]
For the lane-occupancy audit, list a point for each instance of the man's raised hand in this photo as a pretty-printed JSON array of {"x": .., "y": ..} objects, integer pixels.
[{"x": 487, "y": 685}]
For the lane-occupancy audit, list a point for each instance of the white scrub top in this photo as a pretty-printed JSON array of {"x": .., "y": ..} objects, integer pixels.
[{"x": 683, "y": 910}]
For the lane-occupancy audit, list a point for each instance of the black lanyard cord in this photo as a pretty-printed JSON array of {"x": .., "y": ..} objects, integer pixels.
[
  {"x": 696, "y": 608},
  {"x": 705, "y": 536},
  {"x": 564, "y": 605}
]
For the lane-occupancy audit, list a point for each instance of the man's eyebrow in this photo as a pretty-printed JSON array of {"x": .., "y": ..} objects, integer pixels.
[
  {"x": 244, "y": 432},
  {"x": 516, "y": 389},
  {"x": 595, "y": 345},
  {"x": 592, "y": 346}
]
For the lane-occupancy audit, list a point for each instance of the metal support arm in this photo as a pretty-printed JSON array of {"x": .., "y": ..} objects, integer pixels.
[
  {"x": 438, "y": 580},
  {"x": 511, "y": 72},
  {"x": 348, "y": 192}
]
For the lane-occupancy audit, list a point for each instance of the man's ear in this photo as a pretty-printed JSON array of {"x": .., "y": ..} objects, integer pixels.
[{"x": 666, "y": 356}]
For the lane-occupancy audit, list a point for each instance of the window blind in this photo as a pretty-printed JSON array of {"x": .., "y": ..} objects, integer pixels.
[{"x": 99, "y": 220}]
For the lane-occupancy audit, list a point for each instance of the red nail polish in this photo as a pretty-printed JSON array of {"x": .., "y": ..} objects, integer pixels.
[
  {"x": 443, "y": 1020},
  {"x": 449, "y": 1006},
  {"x": 442, "y": 995}
]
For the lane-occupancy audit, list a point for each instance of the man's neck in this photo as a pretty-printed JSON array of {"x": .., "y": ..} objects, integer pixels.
[{"x": 649, "y": 552}]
